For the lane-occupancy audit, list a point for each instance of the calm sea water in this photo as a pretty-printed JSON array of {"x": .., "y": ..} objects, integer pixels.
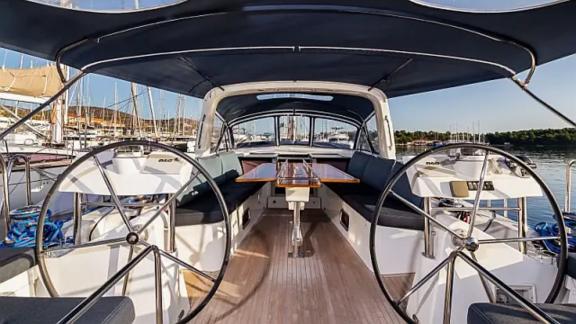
[{"x": 551, "y": 166}]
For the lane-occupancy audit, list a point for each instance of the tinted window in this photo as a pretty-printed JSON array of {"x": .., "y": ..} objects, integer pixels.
[
  {"x": 216, "y": 133},
  {"x": 294, "y": 129},
  {"x": 372, "y": 129},
  {"x": 254, "y": 133},
  {"x": 370, "y": 135},
  {"x": 334, "y": 134}
]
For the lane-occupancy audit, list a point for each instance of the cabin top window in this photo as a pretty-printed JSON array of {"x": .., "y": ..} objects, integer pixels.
[
  {"x": 270, "y": 96},
  {"x": 486, "y": 5},
  {"x": 110, "y": 6}
]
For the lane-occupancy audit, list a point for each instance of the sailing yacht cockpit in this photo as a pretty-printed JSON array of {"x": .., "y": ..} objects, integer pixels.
[{"x": 292, "y": 205}]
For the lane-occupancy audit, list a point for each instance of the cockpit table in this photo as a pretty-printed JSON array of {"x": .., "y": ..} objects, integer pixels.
[{"x": 297, "y": 178}]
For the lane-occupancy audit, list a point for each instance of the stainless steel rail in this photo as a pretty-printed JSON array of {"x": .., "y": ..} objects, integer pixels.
[
  {"x": 6, "y": 167},
  {"x": 568, "y": 190}
]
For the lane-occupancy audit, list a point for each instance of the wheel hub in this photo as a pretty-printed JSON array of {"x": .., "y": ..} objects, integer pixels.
[
  {"x": 471, "y": 244},
  {"x": 132, "y": 238}
]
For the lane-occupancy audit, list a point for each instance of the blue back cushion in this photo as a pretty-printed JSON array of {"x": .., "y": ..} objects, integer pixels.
[
  {"x": 377, "y": 172},
  {"x": 222, "y": 168},
  {"x": 213, "y": 164},
  {"x": 199, "y": 186},
  {"x": 402, "y": 187},
  {"x": 231, "y": 166},
  {"x": 357, "y": 164}
]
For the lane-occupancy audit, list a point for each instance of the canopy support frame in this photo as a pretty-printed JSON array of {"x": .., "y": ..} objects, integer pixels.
[{"x": 317, "y": 8}]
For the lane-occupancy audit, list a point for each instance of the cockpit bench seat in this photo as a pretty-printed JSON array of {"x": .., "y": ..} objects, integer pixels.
[
  {"x": 200, "y": 206},
  {"x": 374, "y": 173},
  {"x": 204, "y": 209},
  {"x": 14, "y": 261},
  {"x": 571, "y": 265},
  {"x": 39, "y": 310},
  {"x": 486, "y": 313}
]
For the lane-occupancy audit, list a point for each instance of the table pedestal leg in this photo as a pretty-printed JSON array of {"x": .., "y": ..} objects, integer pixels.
[
  {"x": 296, "y": 238},
  {"x": 297, "y": 198}
]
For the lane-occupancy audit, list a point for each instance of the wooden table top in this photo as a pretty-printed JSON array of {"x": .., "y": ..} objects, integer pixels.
[
  {"x": 264, "y": 172},
  {"x": 297, "y": 174}
]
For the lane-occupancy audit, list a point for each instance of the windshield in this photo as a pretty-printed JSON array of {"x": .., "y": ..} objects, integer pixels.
[
  {"x": 294, "y": 130},
  {"x": 110, "y": 5},
  {"x": 259, "y": 132},
  {"x": 333, "y": 134}
]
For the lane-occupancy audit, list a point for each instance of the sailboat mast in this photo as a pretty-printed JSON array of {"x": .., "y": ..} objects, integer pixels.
[
  {"x": 135, "y": 118},
  {"x": 152, "y": 113},
  {"x": 115, "y": 112},
  {"x": 79, "y": 105}
]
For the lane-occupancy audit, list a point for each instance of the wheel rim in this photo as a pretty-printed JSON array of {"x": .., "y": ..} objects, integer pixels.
[
  {"x": 132, "y": 238},
  {"x": 457, "y": 254}
]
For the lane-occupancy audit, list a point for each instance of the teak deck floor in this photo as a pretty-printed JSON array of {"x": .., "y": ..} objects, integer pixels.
[{"x": 263, "y": 285}]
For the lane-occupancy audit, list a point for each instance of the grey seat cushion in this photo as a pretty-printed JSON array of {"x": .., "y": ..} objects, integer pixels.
[
  {"x": 200, "y": 205},
  {"x": 343, "y": 189},
  {"x": 394, "y": 213},
  {"x": 363, "y": 197},
  {"x": 14, "y": 261},
  {"x": 36, "y": 310},
  {"x": 485, "y": 313},
  {"x": 204, "y": 209}
]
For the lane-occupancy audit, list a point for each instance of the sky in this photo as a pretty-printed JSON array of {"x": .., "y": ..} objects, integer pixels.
[{"x": 495, "y": 105}]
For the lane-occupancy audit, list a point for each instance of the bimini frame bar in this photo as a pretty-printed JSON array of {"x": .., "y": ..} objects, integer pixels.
[
  {"x": 263, "y": 9},
  {"x": 260, "y": 9}
]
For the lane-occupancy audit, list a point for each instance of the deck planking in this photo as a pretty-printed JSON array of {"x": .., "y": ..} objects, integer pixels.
[{"x": 263, "y": 285}]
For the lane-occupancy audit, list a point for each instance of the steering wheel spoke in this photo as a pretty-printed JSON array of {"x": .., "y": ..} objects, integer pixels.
[
  {"x": 526, "y": 304},
  {"x": 424, "y": 280},
  {"x": 478, "y": 197},
  {"x": 113, "y": 194},
  {"x": 518, "y": 239},
  {"x": 91, "y": 244},
  {"x": 425, "y": 214},
  {"x": 167, "y": 203},
  {"x": 187, "y": 266}
]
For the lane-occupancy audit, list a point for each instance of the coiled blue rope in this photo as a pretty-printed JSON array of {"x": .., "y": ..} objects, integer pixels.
[{"x": 24, "y": 222}]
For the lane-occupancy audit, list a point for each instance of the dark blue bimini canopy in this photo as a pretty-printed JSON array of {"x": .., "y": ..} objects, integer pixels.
[
  {"x": 352, "y": 109},
  {"x": 397, "y": 46}
]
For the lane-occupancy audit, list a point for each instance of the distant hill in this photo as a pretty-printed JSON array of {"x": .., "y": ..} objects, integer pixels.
[
  {"x": 103, "y": 117},
  {"x": 563, "y": 136}
]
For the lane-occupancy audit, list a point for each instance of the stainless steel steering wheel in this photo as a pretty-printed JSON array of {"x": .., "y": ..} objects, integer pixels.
[
  {"x": 134, "y": 239},
  {"x": 466, "y": 243}
]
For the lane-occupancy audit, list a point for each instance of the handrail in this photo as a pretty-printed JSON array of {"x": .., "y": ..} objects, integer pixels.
[
  {"x": 5, "y": 204},
  {"x": 568, "y": 189},
  {"x": 6, "y": 167},
  {"x": 28, "y": 177}
]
